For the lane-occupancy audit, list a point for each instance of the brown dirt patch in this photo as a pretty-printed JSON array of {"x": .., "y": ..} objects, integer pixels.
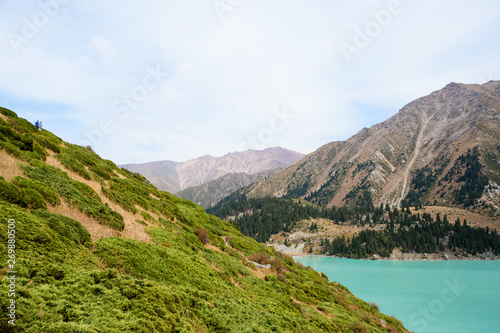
[
  {"x": 473, "y": 219},
  {"x": 96, "y": 230},
  {"x": 260, "y": 272},
  {"x": 9, "y": 166},
  {"x": 119, "y": 175},
  {"x": 326, "y": 228},
  {"x": 213, "y": 248}
]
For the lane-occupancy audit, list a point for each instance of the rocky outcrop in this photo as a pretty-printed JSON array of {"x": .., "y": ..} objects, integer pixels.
[
  {"x": 210, "y": 193},
  {"x": 293, "y": 248}
]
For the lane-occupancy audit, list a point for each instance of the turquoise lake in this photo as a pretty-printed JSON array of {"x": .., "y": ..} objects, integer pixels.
[{"x": 427, "y": 296}]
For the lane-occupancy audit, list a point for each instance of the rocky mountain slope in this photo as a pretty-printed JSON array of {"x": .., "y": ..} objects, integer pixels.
[
  {"x": 176, "y": 176},
  {"x": 441, "y": 149},
  {"x": 210, "y": 193},
  {"x": 95, "y": 248}
]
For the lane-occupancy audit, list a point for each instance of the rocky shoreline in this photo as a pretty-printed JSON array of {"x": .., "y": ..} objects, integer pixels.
[
  {"x": 444, "y": 255},
  {"x": 398, "y": 255}
]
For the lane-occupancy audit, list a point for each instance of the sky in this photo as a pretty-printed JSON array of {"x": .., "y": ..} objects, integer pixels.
[{"x": 153, "y": 80}]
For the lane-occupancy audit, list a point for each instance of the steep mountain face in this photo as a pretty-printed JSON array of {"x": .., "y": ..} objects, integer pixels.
[
  {"x": 432, "y": 151},
  {"x": 176, "y": 176},
  {"x": 89, "y": 247},
  {"x": 210, "y": 193}
]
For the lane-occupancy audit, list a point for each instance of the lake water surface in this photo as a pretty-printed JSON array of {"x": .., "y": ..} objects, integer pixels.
[{"x": 427, "y": 296}]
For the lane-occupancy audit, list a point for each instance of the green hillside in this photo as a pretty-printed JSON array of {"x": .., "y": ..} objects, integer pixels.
[{"x": 191, "y": 273}]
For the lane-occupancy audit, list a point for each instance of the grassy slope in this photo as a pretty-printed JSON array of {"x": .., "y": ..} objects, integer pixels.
[{"x": 67, "y": 283}]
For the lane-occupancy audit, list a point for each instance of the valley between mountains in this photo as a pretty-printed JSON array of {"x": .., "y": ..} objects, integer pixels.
[
  {"x": 439, "y": 155},
  {"x": 91, "y": 247}
]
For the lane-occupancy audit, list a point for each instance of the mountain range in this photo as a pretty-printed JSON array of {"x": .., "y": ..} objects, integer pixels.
[
  {"x": 227, "y": 173},
  {"x": 441, "y": 149},
  {"x": 210, "y": 193}
]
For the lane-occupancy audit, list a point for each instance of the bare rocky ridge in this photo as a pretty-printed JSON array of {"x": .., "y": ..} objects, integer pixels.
[
  {"x": 379, "y": 163},
  {"x": 210, "y": 193},
  {"x": 176, "y": 176}
]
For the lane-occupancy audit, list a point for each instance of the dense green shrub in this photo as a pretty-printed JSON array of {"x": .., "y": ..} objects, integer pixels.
[
  {"x": 48, "y": 193},
  {"x": 9, "y": 192},
  {"x": 9, "y": 134},
  {"x": 39, "y": 151},
  {"x": 8, "y": 113},
  {"x": 48, "y": 141},
  {"x": 147, "y": 216},
  {"x": 32, "y": 199},
  {"x": 101, "y": 170},
  {"x": 19, "y": 145},
  {"x": 120, "y": 198},
  {"x": 11, "y": 149},
  {"x": 65, "y": 226},
  {"x": 72, "y": 164},
  {"x": 26, "y": 198}
]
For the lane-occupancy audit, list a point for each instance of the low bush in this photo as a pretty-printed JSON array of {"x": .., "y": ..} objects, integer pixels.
[
  {"x": 73, "y": 165},
  {"x": 147, "y": 216},
  {"x": 10, "y": 192},
  {"x": 32, "y": 199},
  {"x": 48, "y": 193},
  {"x": 26, "y": 198},
  {"x": 101, "y": 171},
  {"x": 20, "y": 145},
  {"x": 278, "y": 265},
  {"x": 65, "y": 226},
  {"x": 260, "y": 258},
  {"x": 202, "y": 235},
  {"x": 8, "y": 113},
  {"x": 48, "y": 141}
]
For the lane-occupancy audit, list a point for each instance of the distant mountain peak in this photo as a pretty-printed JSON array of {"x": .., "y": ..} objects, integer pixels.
[{"x": 177, "y": 176}]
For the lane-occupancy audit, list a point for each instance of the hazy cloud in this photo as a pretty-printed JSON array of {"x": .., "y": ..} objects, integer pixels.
[{"x": 175, "y": 81}]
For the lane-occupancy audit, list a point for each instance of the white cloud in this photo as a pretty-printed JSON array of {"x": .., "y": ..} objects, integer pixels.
[
  {"x": 104, "y": 47},
  {"x": 225, "y": 78}
]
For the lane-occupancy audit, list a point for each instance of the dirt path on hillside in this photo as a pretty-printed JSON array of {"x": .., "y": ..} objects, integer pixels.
[
  {"x": 9, "y": 167},
  {"x": 403, "y": 183},
  {"x": 133, "y": 230}
]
